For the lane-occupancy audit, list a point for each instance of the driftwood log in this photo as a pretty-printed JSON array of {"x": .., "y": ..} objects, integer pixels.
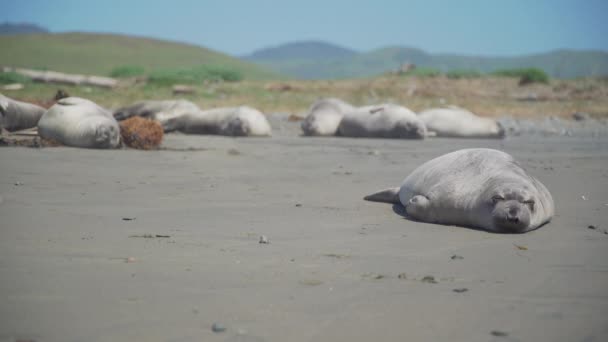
[{"x": 62, "y": 78}]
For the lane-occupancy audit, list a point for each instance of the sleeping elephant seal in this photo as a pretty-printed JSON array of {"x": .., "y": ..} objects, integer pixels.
[
  {"x": 78, "y": 122},
  {"x": 382, "y": 121},
  {"x": 479, "y": 188},
  {"x": 16, "y": 115},
  {"x": 232, "y": 121},
  {"x": 460, "y": 123},
  {"x": 159, "y": 110},
  {"x": 324, "y": 117}
]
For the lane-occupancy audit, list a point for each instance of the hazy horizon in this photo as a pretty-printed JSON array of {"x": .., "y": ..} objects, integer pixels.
[{"x": 470, "y": 27}]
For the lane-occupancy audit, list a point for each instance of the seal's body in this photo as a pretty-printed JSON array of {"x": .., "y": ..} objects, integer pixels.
[
  {"x": 231, "y": 121},
  {"x": 480, "y": 188},
  {"x": 456, "y": 122},
  {"x": 78, "y": 122},
  {"x": 382, "y": 121},
  {"x": 16, "y": 115},
  {"x": 324, "y": 116}
]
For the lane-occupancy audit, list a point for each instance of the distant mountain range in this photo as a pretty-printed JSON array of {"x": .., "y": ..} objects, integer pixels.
[
  {"x": 321, "y": 60},
  {"x": 302, "y": 60},
  {"x": 15, "y": 28}
]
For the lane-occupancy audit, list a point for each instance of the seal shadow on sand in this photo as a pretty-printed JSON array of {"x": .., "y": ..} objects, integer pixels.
[{"x": 399, "y": 209}]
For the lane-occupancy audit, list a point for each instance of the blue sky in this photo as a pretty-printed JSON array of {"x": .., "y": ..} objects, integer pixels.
[{"x": 474, "y": 27}]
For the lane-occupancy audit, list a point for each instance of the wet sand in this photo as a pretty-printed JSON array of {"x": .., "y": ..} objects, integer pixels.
[{"x": 77, "y": 262}]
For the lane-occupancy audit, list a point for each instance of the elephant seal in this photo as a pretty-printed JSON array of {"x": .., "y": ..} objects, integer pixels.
[
  {"x": 159, "y": 110},
  {"x": 479, "y": 188},
  {"x": 16, "y": 115},
  {"x": 460, "y": 123},
  {"x": 324, "y": 117},
  {"x": 78, "y": 122},
  {"x": 382, "y": 121},
  {"x": 231, "y": 121}
]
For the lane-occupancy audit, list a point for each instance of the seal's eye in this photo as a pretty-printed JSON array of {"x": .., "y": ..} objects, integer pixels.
[
  {"x": 530, "y": 203},
  {"x": 497, "y": 198}
]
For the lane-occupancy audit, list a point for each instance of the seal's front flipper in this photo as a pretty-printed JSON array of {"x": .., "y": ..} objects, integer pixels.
[
  {"x": 417, "y": 207},
  {"x": 387, "y": 196}
]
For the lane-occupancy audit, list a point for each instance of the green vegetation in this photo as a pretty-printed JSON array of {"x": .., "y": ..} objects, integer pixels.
[
  {"x": 463, "y": 73},
  {"x": 127, "y": 71},
  {"x": 423, "y": 72},
  {"x": 12, "y": 77},
  {"x": 194, "y": 75},
  {"x": 102, "y": 54},
  {"x": 526, "y": 76}
]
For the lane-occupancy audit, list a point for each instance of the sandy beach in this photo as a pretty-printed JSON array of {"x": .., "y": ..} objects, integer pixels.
[{"x": 128, "y": 245}]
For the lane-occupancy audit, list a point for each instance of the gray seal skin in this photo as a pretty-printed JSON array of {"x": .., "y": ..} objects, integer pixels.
[
  {"x": 455, "y": 122},
  {"x": 230, "y": 121},
  {"x": 16, "y": 115},
  {"x": 480, "y": 188},
  {"x": 159, "y": 110},
  {"x": 324, "y": 116},
  {"x": 382, "y": 121},
  {"x": 78, "y": 122}
]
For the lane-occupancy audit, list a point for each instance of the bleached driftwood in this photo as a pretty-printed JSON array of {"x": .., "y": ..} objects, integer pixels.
[{"x": 62, "y": 78}]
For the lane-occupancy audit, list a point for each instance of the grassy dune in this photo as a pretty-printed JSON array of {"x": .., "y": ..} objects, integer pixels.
[
  {"x": 93, "y": 53},
  {"x": 488, "y": 96}
]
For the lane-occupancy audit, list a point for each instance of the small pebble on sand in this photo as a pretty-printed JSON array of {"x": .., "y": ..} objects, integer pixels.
[
  {"x": 429, "y": 279},
  {"x": 218, "y": 328}
]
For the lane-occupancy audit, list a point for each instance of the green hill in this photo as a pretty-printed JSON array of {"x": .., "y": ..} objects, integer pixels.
[
  {"x": 99, "y": 54},
  {"x": 309, "y": 50},
  {"x": 559, "y": 64}
]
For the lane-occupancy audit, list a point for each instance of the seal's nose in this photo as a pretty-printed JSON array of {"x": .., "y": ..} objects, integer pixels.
[
  {"x": 512, "y": 215},
  {"x": 513, "y": 219}
]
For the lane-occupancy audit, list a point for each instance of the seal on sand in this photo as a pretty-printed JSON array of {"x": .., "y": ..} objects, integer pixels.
[
  {"x": 231, "y": 121},
  {"x": 324, "y": 117},
  {"x": 78, "y": 122},
  {"x": 460, "y": 123},
  {"x": 16, "y": 115},
  {"x": 159, "y": 110},
  {"x": 480, "y": 188},
  {"x": 382, "y": 121}
]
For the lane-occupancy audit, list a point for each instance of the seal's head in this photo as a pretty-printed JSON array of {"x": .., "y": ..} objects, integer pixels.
[
  {"x": 512, "y": 209},
  {"x": 411, "y": 129},
  {"x": 107, "y": 136},
  {"x": 321, "y": 124}
]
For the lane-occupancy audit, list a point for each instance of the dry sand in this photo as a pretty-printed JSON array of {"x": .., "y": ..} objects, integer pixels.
[{"x": 71, "y": 270}]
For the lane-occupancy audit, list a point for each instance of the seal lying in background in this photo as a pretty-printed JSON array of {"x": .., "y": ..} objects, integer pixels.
[
  {"x": 232, "y": 121},
  {"x": 78, "y": 122},
  {"x": 460, "y": 123},
  {"x": 382, "y": 121},
  {"x": 324, "y": 117},
  {"x": 159, "y": 110},
  {"x": 480, "y": 188},
  {"x": 16, "y": 115}
]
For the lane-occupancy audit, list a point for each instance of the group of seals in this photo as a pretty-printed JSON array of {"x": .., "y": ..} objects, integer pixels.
[
  {"x": 479, "y": 188},
  {"x": 186, "y": 117},
  {"x": 16, "y": 115},
  {"x": 78, "y": 122},
  {"x": 331, "y": 116}
]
